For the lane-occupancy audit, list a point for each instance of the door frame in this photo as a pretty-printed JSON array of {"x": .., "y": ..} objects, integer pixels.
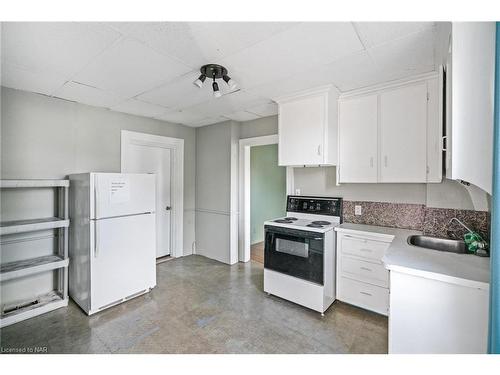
[
  {"x": 176, "y": 147},
  {"x": 244, "y": 190}
]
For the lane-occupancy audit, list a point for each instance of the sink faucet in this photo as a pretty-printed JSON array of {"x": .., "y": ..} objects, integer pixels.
[
  {"x": 479, "y": 246},
  {"x": 459, "y": 222}
]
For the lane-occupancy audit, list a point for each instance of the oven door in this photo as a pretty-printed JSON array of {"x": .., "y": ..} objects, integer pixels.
[{"x": 297, "y": 253}]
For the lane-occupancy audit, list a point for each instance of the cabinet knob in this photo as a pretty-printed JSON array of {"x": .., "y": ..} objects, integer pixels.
[{"x": 319, "y": 150}]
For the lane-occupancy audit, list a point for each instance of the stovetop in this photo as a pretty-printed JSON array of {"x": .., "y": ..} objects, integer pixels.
[
  {"x": 313, "y": 224},
  {"x": 315, "y": 214}
]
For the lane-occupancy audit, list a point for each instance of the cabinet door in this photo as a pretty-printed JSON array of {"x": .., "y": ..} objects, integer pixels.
[
  {"x": 472, "y": 102},
  {"x": 301, "y": 131},
  {"x": 403, "y": 134},
  {"x": 358, "y": 139}
]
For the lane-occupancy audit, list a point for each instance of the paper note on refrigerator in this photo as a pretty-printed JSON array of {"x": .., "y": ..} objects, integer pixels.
[{"x": 119, "y": 191}]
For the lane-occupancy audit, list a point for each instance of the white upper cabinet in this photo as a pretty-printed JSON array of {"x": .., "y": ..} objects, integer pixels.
[
  {"x": 470, "y": 87},
  {"x": 403, "y": 130},
  {"x": 358, "y": 117},
  {"x": 307, "y": 128},
  {"x": 391, "y": 134}
]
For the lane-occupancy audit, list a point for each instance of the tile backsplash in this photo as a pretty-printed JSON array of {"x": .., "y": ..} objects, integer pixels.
[{"x": 431, "y": 221}]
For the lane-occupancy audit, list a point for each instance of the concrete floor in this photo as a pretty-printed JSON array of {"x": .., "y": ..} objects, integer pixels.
[{"x": 203, "y": 306}]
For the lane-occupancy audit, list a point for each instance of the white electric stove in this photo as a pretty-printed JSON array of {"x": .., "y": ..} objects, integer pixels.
[{"x": 299, "y": 255}]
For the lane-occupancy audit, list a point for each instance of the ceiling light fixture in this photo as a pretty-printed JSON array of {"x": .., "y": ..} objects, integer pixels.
[
  {"x": 215, "y": 71},
  {"x": 200, "y": 80}
]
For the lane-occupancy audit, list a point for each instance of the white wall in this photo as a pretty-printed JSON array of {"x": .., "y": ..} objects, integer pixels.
[
  {"x": 43, "y": 137},
  {"x": 216, "y": 177}
]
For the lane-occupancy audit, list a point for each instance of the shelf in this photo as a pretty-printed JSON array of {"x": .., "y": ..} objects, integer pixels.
[
  {"x": 55, "y": 265},
  {"x": 20, "y": 226},
  {"x": 33, "y": 183},
  {"x": 25, "y": 267},
  {"x": 29, "y": 309}
]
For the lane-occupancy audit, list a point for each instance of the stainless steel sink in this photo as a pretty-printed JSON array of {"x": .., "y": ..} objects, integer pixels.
[{"x": 440, "y": 244}]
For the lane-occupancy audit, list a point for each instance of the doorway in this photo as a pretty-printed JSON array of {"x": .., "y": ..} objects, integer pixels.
[
  {"x": 145, "y": 153},
  {"x": 267, "y": 194},
  {"x": 262, "y": 197}
]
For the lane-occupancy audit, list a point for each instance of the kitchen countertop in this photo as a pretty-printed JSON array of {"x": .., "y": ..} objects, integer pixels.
[{"x": 462, "y": 269}]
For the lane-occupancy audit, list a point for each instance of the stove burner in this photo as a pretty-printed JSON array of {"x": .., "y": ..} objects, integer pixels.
[
  {"x": 321, "y": 222},
  {"x": 290, "y": 218},
  {"x": 283, "y": 221},
  {"x": 312, "y": 225}
]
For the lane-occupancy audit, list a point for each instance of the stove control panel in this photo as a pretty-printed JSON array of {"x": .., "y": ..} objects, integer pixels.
[{"x": 314, "y": 205}]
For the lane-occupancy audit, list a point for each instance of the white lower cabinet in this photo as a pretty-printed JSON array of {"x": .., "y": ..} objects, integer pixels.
[
  {"x": 362, "y": 279},
  {"x": 431, "y": 316}
]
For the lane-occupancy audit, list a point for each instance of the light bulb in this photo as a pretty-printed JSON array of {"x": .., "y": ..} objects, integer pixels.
[
  {"x": 200, "y": 80},
  {"x": 215, "y": 87},
  {"x": 230, "y": 82}
]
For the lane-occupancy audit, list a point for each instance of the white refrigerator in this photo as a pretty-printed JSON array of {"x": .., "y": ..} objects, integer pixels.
[{"x": 112, "y": 246}]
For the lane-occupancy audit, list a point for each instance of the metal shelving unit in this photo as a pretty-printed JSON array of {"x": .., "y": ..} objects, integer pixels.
[{"x": 59, "y": 261}]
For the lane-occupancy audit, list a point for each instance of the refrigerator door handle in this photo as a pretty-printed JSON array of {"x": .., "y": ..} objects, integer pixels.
[
  {"x": 96, "y": 197},
  {"x": 96, "y": 241}
]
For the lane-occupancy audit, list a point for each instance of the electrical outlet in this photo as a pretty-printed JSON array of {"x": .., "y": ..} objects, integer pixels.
[
  {"x": 357, "y": 210},
  {"x": 297, "y": 191}
]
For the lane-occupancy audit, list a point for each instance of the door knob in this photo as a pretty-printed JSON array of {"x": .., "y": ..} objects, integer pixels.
[{"x": 168, "y": 208}]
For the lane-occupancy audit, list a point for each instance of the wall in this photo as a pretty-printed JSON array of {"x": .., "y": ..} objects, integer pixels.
[
  {"x": 217, "y": 193},
  {"x": 44, "y": 137},
  {"x": 216, "y": 177},
  {"x": 259, "y": 127},
  {"x": 322, "y": 181},
  {"x": 267, "y": 189}
]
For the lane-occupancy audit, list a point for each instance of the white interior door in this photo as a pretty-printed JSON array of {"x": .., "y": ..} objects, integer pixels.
[{"x": 149, "y": 159}]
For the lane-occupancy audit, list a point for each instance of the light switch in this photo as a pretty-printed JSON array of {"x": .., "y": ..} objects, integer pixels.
[{"x": 357, "y": 210}]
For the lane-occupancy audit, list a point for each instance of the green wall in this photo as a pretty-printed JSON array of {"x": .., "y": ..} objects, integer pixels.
[{"x": 267, "y": 189}]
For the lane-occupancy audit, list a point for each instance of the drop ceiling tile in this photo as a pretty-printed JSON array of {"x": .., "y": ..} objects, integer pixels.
[
  {"x": 230, "y": 103},
  {"x": 375, "y": 33},
  {"x": 87, "y": 95},
  {"x": 232, "y": 37},
  {"x": 241, "y": 116},
  {"x": 61, "y": 48},
  {"x": 40, "y": 82},
  {"x": 180, "y": 117},
  {"x": 296, "y": 50},
  {"x": 130, "y": 68},
  {"x": 175, "y": 39},
  {"x": 264, "y": 110},
  {"x": 138, "y": 107},
  {"x": 413, "y": 54},
  {"x": 199, "y": 43},
  {"x": 290, "y": 85},
  {"x": 354, "y": 71},
  {"x": 182, "y": 93}
]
